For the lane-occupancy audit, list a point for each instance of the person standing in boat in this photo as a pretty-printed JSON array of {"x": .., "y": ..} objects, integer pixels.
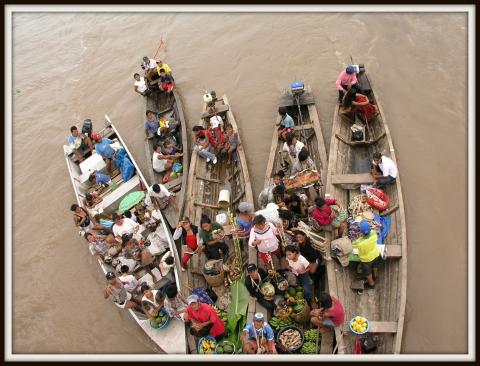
[
  {"x": 384, "y": 170},
  {"x": 346, "y": 80},
  {"x": 317, "y": 268},
  {"x": 203, "y": 319},
  {"x": 256, "y": 277},
  {"x": 212, "y": 239},
  {"x": 245, "y": 217},
  {"x": 258, "y": 337},
  {"x": 304, "y": 161},
  {"x": 300, "y": 267},
  {"x": 121, "y": 297},
  {"x": 189, "y": 235},
  {"x": 78, "y": 142},
  {"x": 323, "y": 217},
  {"x": 286, "y": 123},
  {"x": 331, "y": 313},
  {"x": 103, "y": 148},
  {"x": 368, "y": 253},
  {"x": 291, "y": 149},
  {"x": 263, "y": 236}
]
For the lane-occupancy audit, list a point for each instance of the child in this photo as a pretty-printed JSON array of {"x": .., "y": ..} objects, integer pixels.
[
  {"x": 166, "y": 83},
  {"x": 169, "y": 148},
  {"x": 278, "y": 178},
  {"x": 263, "y": 236},
  {"x": 300, "y": 267}
]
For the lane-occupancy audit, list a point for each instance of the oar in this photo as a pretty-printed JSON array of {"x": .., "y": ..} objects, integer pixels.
[{"x": 159, "y": 46}]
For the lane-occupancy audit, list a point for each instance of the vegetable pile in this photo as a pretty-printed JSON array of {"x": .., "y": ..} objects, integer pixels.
[
  {"x": 291, "y": 339},
  {"x": 309, "y": 348},
  {"x": 278, "y": 323},
  {"x": 225, "y": 347},
  {"x": 310, "y": 335},
  {"x": 159, "y": 320}
]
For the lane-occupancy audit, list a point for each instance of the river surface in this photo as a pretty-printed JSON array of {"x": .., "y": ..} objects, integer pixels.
[{"x": 71, "y": 66}]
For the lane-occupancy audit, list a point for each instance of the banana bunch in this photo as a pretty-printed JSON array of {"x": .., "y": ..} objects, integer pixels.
[
  {"x": 278, "y": 323},
  {"x": 221, "y": 314}
]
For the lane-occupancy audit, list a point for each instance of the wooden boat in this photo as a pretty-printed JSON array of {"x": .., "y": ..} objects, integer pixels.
[
  {"x": 301, "y": 107},
  {"x": 205, "y": 181},
  {"x": 110, "y": 203},
  {"x": 170, "y": 108},
  {"x": 349, "y": 166}
]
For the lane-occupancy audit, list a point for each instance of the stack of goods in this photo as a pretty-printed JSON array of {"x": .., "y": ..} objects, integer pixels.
[
  {"x": 310, "y": 345},
  {"x": 302, "y": 179}
]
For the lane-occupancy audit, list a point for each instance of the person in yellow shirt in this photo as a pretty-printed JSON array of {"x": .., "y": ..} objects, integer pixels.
[{"x": 368, "y": 253}]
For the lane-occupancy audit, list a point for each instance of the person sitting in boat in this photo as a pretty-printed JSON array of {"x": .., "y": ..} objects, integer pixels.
[
  {"x": 278, "y": 178},
  {"x": 368, "y": 253},
  {"x": 150, "y": 67},
  {"x": 323, "y": 217},
  {"x": 212, "y": 239},
  {"x": 160, "y": 192},
  {"x": 300, "y": 267},
  {"x": 152, "y": 301},
  {"x": 329, "y": 315},
  {"x": 286, "y": 123},
  {"x": 356, "y": 103},
  {"x": 101, "y": 245},
  {"x": 122, "y": 226},
  {"x": 129, "y": 281},
  {"x": 258, "y": 337},
  {"x": 175, "y": 303},
  {"x": 203, "y": 147},
  {"x": 291, "y": 149},
  {"x": 217, "y": 128},
  {"x": 99, "y": 178},
  {"x": 317, "y": 267},
  {"x": 203, "y": 319},
  {"x": 141, "y": 86},
  {"x": 245, "y": 215},
  {"x": 121, "y": 297},
  {"x": 121, "y": 261},
  {"x": 91, "y": 200},
  {"x": 163, "y": 163},
  {"x": 296, "y": 204},
  {"x": 384, "y": 170},
  {"x": 253, "y": 282},
  {"x": 165, "y": 82},
  {"x": 169, "y": 148},
  {"x": 161, "y": 65},
  {"x": 289, "y": 221},
  {"x": 78, "y": 142},
  {"x": 347, "y": 80},
  {"x": 151, "y": 125},
  {"x": 304, "y": 161},
  {"x": 278, "y": 195},
  {"x": 228, "y": 148},
  {"x": 263, "y": 236},
  {"x": 82, "y": 219},
  {"x": 189, "y": 234},
  {"x": 199, "y": 129}
]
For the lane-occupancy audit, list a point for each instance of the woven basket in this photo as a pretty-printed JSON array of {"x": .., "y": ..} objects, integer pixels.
[
  {"x": 215, "y": 280},
  {"x": 303, "y": 316}
]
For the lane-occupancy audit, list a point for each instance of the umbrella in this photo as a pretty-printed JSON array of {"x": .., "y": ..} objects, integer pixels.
[{"x": 131, "y": 200}]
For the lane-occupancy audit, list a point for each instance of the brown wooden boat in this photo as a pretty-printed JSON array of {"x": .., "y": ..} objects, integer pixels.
[
  {"x": 170, "y": 108},
  {"x": 349, "y": 166}
]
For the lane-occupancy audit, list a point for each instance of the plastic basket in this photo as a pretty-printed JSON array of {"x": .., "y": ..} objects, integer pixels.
[
  {"x": 354, "y": 331},
  {"x": 295, "y": 328},
  {"x": 199, "y": 346},
  {"x": 165, "y": 322}
]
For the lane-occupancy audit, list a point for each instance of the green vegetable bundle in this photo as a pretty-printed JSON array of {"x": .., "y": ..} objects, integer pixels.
[
  {"x": 278, "y": 323},
  {"x": 310, "y": 335},
  {"x": 309, "y": 348}
]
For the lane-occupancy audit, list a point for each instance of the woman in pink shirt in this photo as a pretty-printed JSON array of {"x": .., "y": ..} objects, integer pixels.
[
  {"x": 263, "y": 236},
  {"x": 330, "y": 315},
  {"x": 346, "y": 80},
  {"x": 324, "y": 218}
]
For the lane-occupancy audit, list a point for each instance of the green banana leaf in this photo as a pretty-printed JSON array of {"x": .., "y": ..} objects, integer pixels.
[{"x": 237, "y": 311}]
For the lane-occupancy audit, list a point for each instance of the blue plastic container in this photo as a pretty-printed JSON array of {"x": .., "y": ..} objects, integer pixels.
[
  {"x": 165, "y": 322},
  {"x": 354, "y": 331},
  {"x": 199, "y": 346}
]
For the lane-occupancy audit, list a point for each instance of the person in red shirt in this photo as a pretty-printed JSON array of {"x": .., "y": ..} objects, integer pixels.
[
  {"x": 199, "y": 129},
  {"x": 330, "y": 314},
  {"x": 359, "y": 104},
  {"x": 324, "y": 218},
  {"x": 203, "y": 319}
]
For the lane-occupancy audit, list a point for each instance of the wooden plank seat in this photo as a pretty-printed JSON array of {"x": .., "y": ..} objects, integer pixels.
[
  {"x": 362, "y": 178},
  {"x": 383, "y": 327},
  {"x": 393, "y": 251},
  {"x": 218, "y": 110},
  {"x": 305, "y": 126}
]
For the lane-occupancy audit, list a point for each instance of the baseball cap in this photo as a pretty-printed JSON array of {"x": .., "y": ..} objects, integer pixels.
[
  {"x": 191, "y": 299},
  {"x": 364, "y": 227},
  {"x": 96, "y": 136},
  {"x": 258, "y": 316},
  {"x": 110, "y": 275},
  {"x": 145, "y": 58},
  {"x": 251, "y": 267},
  {"x": 350, "y": 69}
]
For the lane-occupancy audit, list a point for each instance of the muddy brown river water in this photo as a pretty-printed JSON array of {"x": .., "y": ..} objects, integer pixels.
[{"x": 71, "y": 66}]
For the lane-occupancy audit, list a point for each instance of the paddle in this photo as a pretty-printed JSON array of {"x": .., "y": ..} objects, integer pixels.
[{"x": 159, "y": 46}]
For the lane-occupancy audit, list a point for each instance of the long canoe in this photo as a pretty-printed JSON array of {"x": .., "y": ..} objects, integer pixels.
[
  {"x": 169, "y": 108},
  {"x": 205, "y": 181},
  {"x": 112, "y": 196},
  {"x": 349, "y": 166}
]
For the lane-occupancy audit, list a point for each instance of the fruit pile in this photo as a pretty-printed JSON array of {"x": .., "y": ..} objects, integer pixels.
[
  {"x": 310, "y": 345},
  {"x": 294, "y": 298},
  {"x": 207, "y": 346},
  {"x": 278, "y": 323},
  {"x": 221, "y": 314},
  {"x": 225, "y": 347},
  {"x": 159, "y": 320},
  {"x": 359, "y": 324}
]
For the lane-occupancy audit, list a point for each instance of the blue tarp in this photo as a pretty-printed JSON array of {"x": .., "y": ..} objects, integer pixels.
[
  {"x": 385, "y": 221},
  {"x": 124, "y": 164}
]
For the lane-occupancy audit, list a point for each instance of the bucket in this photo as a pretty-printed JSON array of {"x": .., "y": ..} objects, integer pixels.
[{"x": 224, "y": 198}]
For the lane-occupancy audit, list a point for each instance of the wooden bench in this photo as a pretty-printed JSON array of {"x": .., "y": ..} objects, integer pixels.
[
  {"x": 305, "y": 126},
  {"x": 218, "y": 110},
  {"x": 393, "y": 251},
  {"x": 362, "y": 178},
  {"x": 383, "y": 327}
]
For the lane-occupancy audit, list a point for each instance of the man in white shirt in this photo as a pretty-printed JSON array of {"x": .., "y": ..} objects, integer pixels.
[
  {"x": 384, "y": 170},
  {"x": 150, "y": 67},
  {"x": 162, "y": 193},
  {"x": 292, "y": 148},
  {"x": 129, "y": 281},
  {"x": 123, "y": 226},
  {"x": 140, "y": 85}
]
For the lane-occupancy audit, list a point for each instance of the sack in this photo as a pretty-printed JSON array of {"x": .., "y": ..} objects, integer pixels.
[
  {"x": 377, "y": 198},
  {"x": 127, "y": 169},
  {"x": 369, "y": 344}
]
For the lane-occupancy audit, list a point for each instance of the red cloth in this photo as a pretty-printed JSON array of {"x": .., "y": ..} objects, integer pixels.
[
  {"x": 205, "y": 312},
  {"x": 191, "y": 241},
  {"x": 336, "y": 312},
  {"x": 209, "y": 136},
  {"x": 264, "y": 258},
  {"x": 168, "y": 87},
  {"x": 322, "y": 215},
  {"x": 368, "y": 110}
]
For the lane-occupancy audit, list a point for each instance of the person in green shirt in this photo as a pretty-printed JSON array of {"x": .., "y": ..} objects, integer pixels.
[
  {"x": 215, "y": 245},
  {"x": 368, "y": 253}
]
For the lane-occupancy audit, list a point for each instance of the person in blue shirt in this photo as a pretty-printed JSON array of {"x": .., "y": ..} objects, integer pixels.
[
  {"x": 258, "y": 337},
  {"x": 151, "y": 125},
  {"x": 100, "y": 178},
  {"x": 79, "y": 141},
  {"x": 103, "y": 148},
  {"x": 286, "y": 123}
]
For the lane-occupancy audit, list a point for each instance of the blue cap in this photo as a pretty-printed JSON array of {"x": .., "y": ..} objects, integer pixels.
[
  {"x": 364, "y": 227},
  {"x": 350, "y": 69}
]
